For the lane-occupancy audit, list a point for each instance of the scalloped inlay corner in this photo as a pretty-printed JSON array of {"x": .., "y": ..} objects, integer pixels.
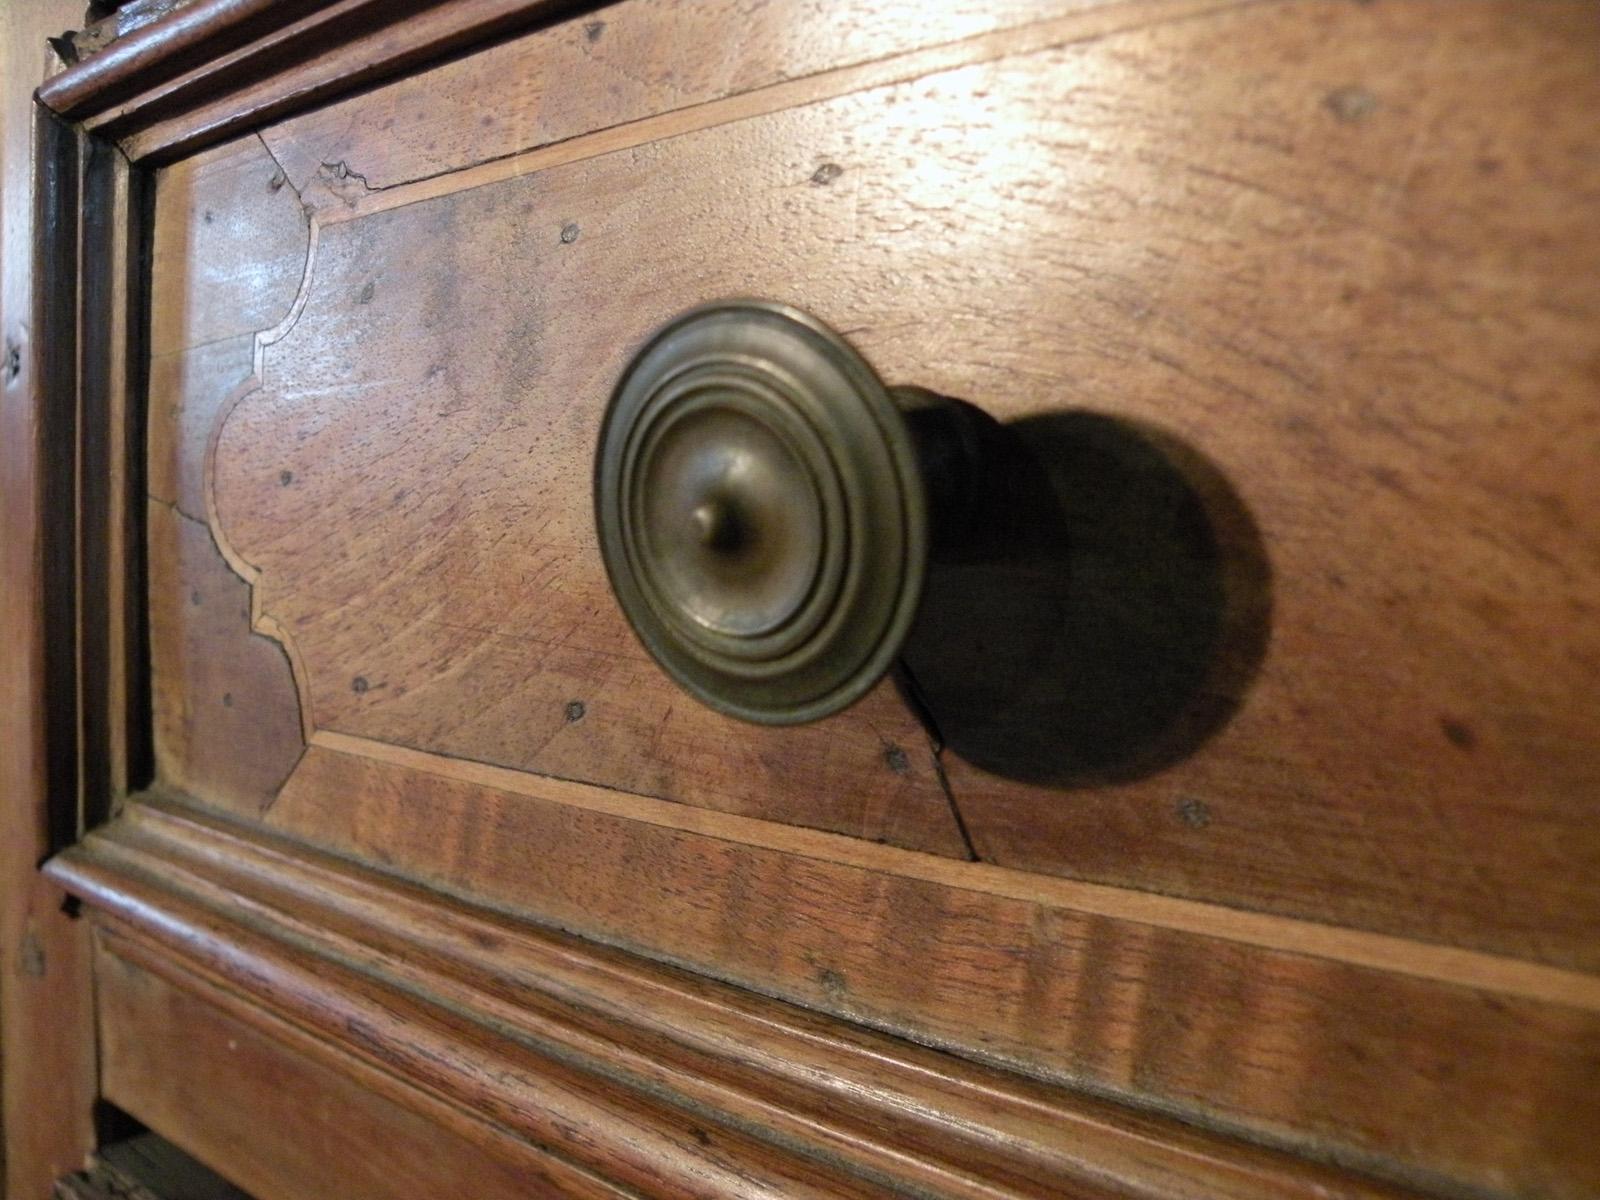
[{"x": 404, "y": 484}]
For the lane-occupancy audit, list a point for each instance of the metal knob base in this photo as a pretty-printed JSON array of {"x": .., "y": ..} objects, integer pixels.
[{"x": 765, "y": 508}]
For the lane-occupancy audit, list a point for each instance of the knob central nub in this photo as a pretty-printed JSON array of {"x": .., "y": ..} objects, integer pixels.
[
  {"x": 718, "y": 526},
  {"x": 761, "y": 511}
]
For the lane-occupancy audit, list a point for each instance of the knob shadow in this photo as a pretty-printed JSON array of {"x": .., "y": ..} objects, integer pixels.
[{"x": 1102, "y": 613}]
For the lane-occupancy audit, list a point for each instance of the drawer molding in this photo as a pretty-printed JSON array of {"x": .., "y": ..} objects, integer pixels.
[
  {"x": 218, "y": 67},
  {"x": 1448, "y": 965},
  {"x": 649, "y": 1077}
]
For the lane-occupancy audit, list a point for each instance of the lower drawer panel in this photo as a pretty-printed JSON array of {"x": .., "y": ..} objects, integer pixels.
[{"x": 286, "y": 1123}]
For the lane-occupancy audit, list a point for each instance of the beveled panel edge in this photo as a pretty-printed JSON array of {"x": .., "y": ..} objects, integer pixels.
[{"x": 649, "y": 1076}]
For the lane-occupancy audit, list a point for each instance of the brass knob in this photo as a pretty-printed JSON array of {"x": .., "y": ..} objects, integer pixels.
[{"x": 765, "y": 508}]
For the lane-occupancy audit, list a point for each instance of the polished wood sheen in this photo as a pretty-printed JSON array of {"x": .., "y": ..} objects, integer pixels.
[
  {"x": 667, "y": 1081},
  {"x": 162, "y": 1045},
  {"x": 1408, "y": 754},
  {"x": 1227, "y": 827},
  {"x": 1288, "y": 1030}
]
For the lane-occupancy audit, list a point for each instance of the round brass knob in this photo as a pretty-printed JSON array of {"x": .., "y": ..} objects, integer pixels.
[{"x": 763, "y": 510}]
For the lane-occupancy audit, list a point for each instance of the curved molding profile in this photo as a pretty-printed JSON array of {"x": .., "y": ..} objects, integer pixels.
[
  {"x": 651, "y": 1078},
  {"x": 216, "y": 68}
]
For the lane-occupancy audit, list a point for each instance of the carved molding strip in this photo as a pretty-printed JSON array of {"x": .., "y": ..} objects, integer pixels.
[
  {"x": 222, "y": 66},
  {"x": 653, "y": 1078}
]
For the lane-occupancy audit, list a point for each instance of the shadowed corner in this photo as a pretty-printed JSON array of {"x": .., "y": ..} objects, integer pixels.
[{"x": 1103, "y": 612}]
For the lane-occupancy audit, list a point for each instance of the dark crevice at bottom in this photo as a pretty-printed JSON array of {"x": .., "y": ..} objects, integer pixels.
[{"x": 140, "y": 1165}]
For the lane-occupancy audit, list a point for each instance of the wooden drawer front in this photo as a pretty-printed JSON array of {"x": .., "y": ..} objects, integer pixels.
[
  {"x": 406, "y": 486},
  {"x": 1268, "y": 799}
]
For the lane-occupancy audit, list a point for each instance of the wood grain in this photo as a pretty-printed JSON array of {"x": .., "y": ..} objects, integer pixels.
[
  {"x": 293, "y": 1125},
  {"x": 1378, "y": 350},
  {"x": 187, "y": 391},
  {"x": 1358, "y": 336},
  {"x": 612, "y": 70},
  {"x": 1278, "y": 237},
  {"x": 333, "y": 56},
  {"x": 129, "y": 17},
  {"x": 191, "y": 80},
  {"x": 227, "y": 720},
  {"x": 46, "y": 1021},
  {"x": 228, "y": 251},
  {"x": 1442, "y": 1081},
  {"x": 1353, "y": 947},
  {"x": 229, "y": 248},
  {"x": 768, "y": 1087},
  {"x": 196, "y": 32}
]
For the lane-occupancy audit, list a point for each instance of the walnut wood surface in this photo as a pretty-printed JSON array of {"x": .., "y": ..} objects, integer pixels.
[
  {"x": 1337, "y": 256},
  {"x": 284, "y": 1123},
  {"x": 192, "y": 78},
  {"x": 229, "y": 249},
  {"x": 46, "y": 1020},
  {"x": 660, "y": 1080},
  {"x": 1424, "y": 960},
  {"x": 1281, "y": 1033},
  {"x": 189, "y": 34},
  {"x": 227, "y": 723},
  {"x": 612, "y": 69},
  {"x": 128, "y": 17},
  {"x": 1361, "y": 339}
]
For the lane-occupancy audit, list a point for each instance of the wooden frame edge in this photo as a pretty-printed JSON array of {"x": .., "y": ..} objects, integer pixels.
[
  {"x": 650, "y": 1077},
  {"x": 218, "y": 68},
  {"x": 75, "y": 722},
  {"x": 162, "y": 106},
  {"x": 47, "y": 1077}
]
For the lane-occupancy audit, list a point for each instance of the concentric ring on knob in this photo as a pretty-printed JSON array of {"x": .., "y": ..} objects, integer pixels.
[{"x": 761, "y": 512}]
